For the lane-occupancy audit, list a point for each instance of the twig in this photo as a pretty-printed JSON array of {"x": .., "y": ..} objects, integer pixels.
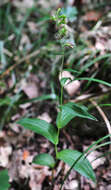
[
  {"x": 28, "y": 56},
  {"x": 103, "y": 115},
  {"x": 18, "y": 62},
  {"x": 87, "y": 97}
]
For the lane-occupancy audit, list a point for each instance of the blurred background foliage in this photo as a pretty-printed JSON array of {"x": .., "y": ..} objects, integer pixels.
[{"x": 30, "y": 54}]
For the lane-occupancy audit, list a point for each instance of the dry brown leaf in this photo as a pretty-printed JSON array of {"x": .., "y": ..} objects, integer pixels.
[
  {"x": 19, "y": 170},
  {"x": 5, "y": 152},
  {"x": 23, "y": 4},
  {"x": 56, "y": 187},
  {"x": 74, "y": 184},
  {"x": 96, "y": 163},
  {"x": 92, "y": 16},
  {"x": 32, "y": 27},
  {"x": 25, "y": 106},
  {"x": 49, "y": 3},
  {"x": 24, "y": 42},
  {"x": 72, "y": 87},
  {"x": 31, "y": 90},
  {"x": 45, "y": 116}
]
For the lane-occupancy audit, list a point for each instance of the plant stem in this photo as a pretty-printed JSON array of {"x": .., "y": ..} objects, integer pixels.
[
  {"x": 61, "y": 100},
  {"x": 53, "y": 180},
  {"x": 61, "y": 96},
  {"x": 56, "y": 150}
]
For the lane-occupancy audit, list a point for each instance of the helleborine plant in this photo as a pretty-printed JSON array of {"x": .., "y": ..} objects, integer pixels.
[{"x": 68, "y": 111}]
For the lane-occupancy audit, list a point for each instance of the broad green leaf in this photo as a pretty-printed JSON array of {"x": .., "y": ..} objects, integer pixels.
[
  {"x": 69, "y": 111},
  {"x": 64, "y": 117},
  {"x": 84, "y": 155},
  {"x": 4, "y": 178},
  {"x": 80, "y": 110},
  {"x": 82, "y": 166},
  {"x": 44, "y": 160},
  {"x": 40, "y": 127}
]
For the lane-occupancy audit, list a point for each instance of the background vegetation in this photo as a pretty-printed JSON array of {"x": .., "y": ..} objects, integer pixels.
[{"x": 30, "y": 61}]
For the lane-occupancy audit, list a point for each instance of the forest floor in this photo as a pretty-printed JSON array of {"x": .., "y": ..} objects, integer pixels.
[{"x": 29, "y": 87}]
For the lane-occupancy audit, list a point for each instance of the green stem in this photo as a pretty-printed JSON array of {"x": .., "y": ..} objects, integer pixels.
[
  {"x": 61, "y": 96},
  {"x": 61, "y": 100},
  {"x": 56, "y": 151}
]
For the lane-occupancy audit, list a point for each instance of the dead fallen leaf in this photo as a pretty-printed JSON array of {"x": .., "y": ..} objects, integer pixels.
[
  {"x": 49, "y": 3},
  {"x": 5, "y": 152},
  {"x": 25, "y": 106},
  {"x": 74, "y": 184},
  {"x": 97, "y": 162},
  {"x": 72, "y": 87},
  {"x": 109, "y": 187},
  {"x": 23, "y": 4},
  {"x": 45, "y": 116},
  {"x": 24, "y": 42},
  {"x": 32, "y": 27},
  {"x": 56, "y": 187},
  {"x": 92, "y": 16},
  {"x": 31, "y": 90}
]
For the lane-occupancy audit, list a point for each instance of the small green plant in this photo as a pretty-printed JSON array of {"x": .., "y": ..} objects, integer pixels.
[{"x": 68, "y": 111}]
